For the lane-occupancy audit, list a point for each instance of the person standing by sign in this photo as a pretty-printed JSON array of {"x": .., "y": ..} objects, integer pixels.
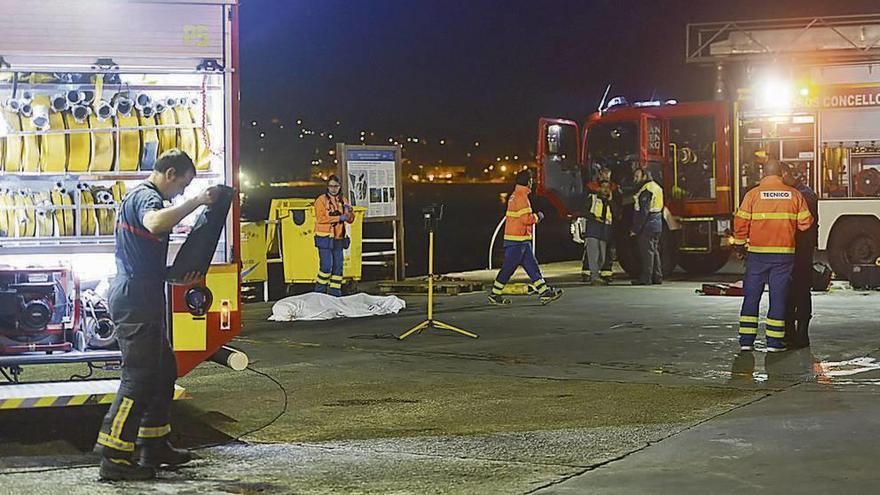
[
  {"x": 332, "y": 212},
  {"x": 518, "y": 244},
  {"x": 764, "y": 233},
  {"x": 647, "y": 226}
]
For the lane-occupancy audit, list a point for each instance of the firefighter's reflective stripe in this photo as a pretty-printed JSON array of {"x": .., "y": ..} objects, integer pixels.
[
  {"x": 327, "y": 225},
  {"x": 771, "y": 249},
  {"x": 115, "y": 442},
  {"x": 601, "y": 211},
  {"x": 748, "y": 325},
  {"x": 519, "y": 213},
  {"x": 775, "y": 328},
  {"x": 121, "y": 416},
  {"x": 769, "y": 217},
  {"x": 154, "y": 431},
  {"x": 519, "y": 216},
  {"x": 656, "y": 191}
]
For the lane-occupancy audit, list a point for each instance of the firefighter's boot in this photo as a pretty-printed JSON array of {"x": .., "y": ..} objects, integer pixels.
[
  {"x": 550, "y": 295},
  {"x": 156, "y": 452},
  {"x": 121, "y": 469}
]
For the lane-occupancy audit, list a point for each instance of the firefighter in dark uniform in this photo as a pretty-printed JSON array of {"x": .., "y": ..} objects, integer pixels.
[
  {"x": 799, "y": 304},
  {"x": 140, "y": 413}
]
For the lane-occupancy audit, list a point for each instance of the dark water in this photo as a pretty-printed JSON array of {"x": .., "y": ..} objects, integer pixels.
[{"x": 471, "y": 213}]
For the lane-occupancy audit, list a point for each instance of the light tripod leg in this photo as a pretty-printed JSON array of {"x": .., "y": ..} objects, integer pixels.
[
  {"x": 446, "y": 326},
  {"x": 418, "y": 328}
]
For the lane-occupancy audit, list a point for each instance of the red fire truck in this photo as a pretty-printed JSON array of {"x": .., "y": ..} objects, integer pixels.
[
  {"x": 89, "y": 97},
  {"x": 808, "y": 95}
]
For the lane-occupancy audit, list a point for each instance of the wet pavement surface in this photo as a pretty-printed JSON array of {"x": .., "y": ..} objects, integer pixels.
[{"x": 609, "y": 390}]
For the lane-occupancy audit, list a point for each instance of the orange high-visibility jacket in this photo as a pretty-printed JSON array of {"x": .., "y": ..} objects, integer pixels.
[
  {"x": 327, "y": 225},
  {"x": 518, "y": 225},
  {"x": 769, "y": 217}
]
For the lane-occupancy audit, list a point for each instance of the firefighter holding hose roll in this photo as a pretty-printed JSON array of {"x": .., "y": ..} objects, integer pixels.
[{"x": 140, "y": 413}]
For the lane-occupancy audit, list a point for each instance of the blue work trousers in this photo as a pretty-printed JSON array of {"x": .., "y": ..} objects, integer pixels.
[
  {"x": 761, "y": 269},
  {"x": 330, "y": 258},
  {"x": 519, "y": 254}
]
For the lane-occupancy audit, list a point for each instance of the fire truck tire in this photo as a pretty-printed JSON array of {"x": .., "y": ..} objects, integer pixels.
[
  {"x": 853, "y": 241},
  {"x": 704, "y": 263}
]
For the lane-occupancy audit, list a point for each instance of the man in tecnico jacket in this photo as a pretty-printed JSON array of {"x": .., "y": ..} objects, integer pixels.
[{"x": 764, "y": 230}]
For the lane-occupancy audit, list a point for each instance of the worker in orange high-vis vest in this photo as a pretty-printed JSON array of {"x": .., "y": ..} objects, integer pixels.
[
  {"x": 764, "y": 233},
  {"x": 518, "y": 227},
  {"x": 332, "y": 212}
]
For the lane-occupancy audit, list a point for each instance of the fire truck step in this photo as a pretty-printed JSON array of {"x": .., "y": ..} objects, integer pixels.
[{"x": 62, "y": 394}]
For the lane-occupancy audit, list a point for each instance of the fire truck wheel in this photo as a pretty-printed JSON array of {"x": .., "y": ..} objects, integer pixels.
[
  {"x": 853, "y": 241},
  {"x": 704, "y": 263}
]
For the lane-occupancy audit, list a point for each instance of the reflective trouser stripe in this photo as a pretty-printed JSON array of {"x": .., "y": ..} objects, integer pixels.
[
  {"x": 748, "y": 325},
  {"x": 335, "y": 285},
  {"x": 120, "y": 417},
  {"x": 775, "y": 328},
  {"x": 540, "y": 285},
  {"x": 154, "y": 431},
  {"x": 115, "y": 442},
  {"x": 606, "y": 273}
]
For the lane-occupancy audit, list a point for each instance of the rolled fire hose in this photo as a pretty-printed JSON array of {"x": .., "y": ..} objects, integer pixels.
[
  {"x": 53, "y": 146},
  {"x": 142, "y": 101},
  {"x": 188, "y": 138},
  {"x": 149, "y": 139},
  {"x": 69, "y": 214},
  {"x": 8, "y": 202},
  {"x": 75, "y": 97},
  {"x": 100, "y": 332},
  {"x": 87, "y": 219},
  {"x": 102, "y": 140},
  {"x": 5, "y": 231},
  {"x": 58, "y": 213},
  {"x": 129, "y": 140},
  {"x": 30, "y": 153},
  {"x": 14, "y": 144},
  {"x": 167, "y": 136},
  {"x": 203, "y": 160},
  {"x": 79, "y": 143},
  {"x": 24, "y": 206},
  {"x": 231, "y": 357},
  {"x": 43, "y": 215},
  {"x": 106, "y": 216}
]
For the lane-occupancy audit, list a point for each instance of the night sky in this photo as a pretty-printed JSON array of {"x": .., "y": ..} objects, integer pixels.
[{"x": 463, "y": 70}]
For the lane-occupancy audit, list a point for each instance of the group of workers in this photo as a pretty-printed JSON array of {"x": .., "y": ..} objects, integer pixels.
[{"x": 775, "y": 232}]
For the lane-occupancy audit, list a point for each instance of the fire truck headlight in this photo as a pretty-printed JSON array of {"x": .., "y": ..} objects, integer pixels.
[{"x": 774, "y": 94}]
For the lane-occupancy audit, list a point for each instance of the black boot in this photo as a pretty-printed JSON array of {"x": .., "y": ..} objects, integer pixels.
[
  {"x": 158, "y": 452},
  {"x": 120, "y": 469},
  {"x": 804, "y": 332}
]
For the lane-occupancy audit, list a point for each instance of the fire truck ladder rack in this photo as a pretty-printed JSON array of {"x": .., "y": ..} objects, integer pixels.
[{"x": 827, "y": 39}]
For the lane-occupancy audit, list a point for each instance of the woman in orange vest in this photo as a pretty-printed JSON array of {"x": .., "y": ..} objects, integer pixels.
[{"x": 332, "y": 212}]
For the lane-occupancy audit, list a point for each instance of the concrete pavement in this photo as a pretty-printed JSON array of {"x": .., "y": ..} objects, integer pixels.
[{"x": 609, "y": 390}]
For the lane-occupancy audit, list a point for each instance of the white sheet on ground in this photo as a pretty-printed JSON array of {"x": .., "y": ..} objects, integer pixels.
[{"x": 315, "y": 306}]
